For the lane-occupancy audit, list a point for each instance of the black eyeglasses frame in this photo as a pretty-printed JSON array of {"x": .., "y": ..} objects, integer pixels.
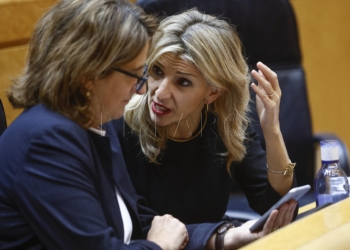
[{"x": 141, "y": 80}]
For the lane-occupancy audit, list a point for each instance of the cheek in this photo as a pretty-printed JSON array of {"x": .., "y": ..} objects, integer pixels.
[
  {"x": 116, "y": 97},
  {"x": 190, "y": 102},
  {"x": 152, "y": 86}
]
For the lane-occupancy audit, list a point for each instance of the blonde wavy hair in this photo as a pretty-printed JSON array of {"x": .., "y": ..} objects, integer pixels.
[
  {"x": 74, "y": 42},
  {"x": 214, "y": 48}
]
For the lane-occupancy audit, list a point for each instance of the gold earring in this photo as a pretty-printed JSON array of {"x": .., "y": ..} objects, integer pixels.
[
  {"x": 88, "y": 94},
  {"x": 207, "y": 107}
]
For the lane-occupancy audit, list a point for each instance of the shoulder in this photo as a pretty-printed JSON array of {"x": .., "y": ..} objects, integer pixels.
[
  {"x": 42, "y": 127},
  {"x": 43, "y": 141},
  {"x": 39, "y": 117}
]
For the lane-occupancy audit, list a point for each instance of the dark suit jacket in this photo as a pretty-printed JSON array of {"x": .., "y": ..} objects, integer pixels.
[{"x": 57, "y": 187}]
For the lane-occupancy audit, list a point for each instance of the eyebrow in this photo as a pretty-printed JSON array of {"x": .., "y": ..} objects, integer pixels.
[
  {"x": 186, "y": 74},
  {"x": 179, "y": 72}
]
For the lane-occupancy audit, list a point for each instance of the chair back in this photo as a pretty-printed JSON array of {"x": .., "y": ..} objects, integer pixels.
[{"x": 3, "y": 124}]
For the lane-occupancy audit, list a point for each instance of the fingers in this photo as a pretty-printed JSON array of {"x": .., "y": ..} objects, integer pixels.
[
  {"x": 168, "y": 232},
  {"x": 185, "y": 241},
  {"x": 280, "y": 220},
  {"x": 290, "y": 213},
  {"x": 283, "y": 216},
  {"x": 167, "y": 218},
  {"x": 286, "y": 213},
  {"x": 270, "y": 76},
  {"x": 262, "y": 94},
  {"x": 270, "y": 223},
  {"x": 158, "y": 220},
  {"x": 268, "y": 87}
]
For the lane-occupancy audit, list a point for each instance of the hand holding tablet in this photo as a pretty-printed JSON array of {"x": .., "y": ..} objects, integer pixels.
[{"x": 293, "y": 194}]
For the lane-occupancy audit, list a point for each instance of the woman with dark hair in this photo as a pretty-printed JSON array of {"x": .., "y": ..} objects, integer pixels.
[{"x": 63, "y": 183}]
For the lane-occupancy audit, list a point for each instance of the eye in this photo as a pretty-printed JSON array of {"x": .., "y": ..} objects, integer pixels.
[
  {"x": 184, "y": 82},
  {"x": 157, "y": 71}
]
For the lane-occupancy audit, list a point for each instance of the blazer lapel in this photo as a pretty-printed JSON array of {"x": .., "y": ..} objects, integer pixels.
[
  {"x": 111, "y": 206},
  {"x": 122, "y": 179}
]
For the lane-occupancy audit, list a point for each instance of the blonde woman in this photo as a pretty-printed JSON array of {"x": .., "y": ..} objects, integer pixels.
[{"x": 190, "y": 132}]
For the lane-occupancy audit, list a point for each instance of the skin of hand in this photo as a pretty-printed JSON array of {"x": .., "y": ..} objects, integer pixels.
[
  {"x": 268, "y": 96},
  {"x": 241, "y": 236},
  {"x": 267, "y": 106},
  {"x": 168, "y": 232}
]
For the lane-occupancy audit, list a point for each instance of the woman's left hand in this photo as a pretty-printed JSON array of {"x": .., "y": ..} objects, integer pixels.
[
  {"x": 240, "y": 236},
  {"x": 268, "y": 95}
]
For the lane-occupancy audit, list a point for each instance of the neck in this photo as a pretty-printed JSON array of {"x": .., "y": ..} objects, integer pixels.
[{"x": 188, "y": 128}]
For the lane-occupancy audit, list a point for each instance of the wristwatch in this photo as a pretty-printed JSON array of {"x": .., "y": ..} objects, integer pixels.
[{"x": 220, "y": 235}]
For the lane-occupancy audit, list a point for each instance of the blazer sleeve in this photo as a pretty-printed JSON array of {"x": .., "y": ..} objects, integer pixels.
[
  {"x": 251, "y": 175},
  {"x": 55, "y": 190},
  {"x": 199, "y": 234}
]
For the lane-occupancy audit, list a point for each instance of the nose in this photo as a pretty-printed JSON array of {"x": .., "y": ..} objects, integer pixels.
[{"x": 163, "y": 91}]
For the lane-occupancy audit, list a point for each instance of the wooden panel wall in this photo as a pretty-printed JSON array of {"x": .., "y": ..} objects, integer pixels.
[
  {"x": 11, "y": 62},
  {"x": 325, "y": 42},
  {"x": 17, "y": 20}
]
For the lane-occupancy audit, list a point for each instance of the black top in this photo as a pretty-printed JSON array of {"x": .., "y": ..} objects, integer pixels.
[{"x": 191, "y": 182}]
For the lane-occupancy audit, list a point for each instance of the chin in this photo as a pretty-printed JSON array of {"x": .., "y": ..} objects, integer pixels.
[
  {"x": 117, "y": 114},
  {"x": 159, "y": 121}
]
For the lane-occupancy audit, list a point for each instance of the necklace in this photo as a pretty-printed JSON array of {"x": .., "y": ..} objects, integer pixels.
[{"x": 192, "y": 137}]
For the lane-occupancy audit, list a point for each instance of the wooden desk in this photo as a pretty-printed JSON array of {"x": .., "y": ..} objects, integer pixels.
[
  {"x": 328, "y": 228},
  {"x": 307, "y": 207}
]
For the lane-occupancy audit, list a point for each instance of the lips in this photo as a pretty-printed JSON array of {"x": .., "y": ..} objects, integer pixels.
[{"x": 160, "y": 109}]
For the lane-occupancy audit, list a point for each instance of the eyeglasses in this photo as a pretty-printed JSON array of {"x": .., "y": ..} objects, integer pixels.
[{"x": 140, "y": 80}]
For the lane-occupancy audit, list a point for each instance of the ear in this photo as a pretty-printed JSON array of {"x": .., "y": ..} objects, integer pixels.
[
  {"x": 88, "y": 85},
  {"x": 213, "y": 95}
]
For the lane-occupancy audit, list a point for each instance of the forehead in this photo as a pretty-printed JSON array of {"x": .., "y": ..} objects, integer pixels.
[{"x": 179, "y": 62}]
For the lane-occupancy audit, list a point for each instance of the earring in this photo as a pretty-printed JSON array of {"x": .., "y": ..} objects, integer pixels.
[
  {"x": 88, "y": 94},
  {"x": 207, "y": 107}
]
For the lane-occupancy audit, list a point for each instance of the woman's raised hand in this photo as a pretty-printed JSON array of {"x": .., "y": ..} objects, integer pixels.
[
  {"x": 168, "y": 232},
  {"x": 268, "y": 95}
]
